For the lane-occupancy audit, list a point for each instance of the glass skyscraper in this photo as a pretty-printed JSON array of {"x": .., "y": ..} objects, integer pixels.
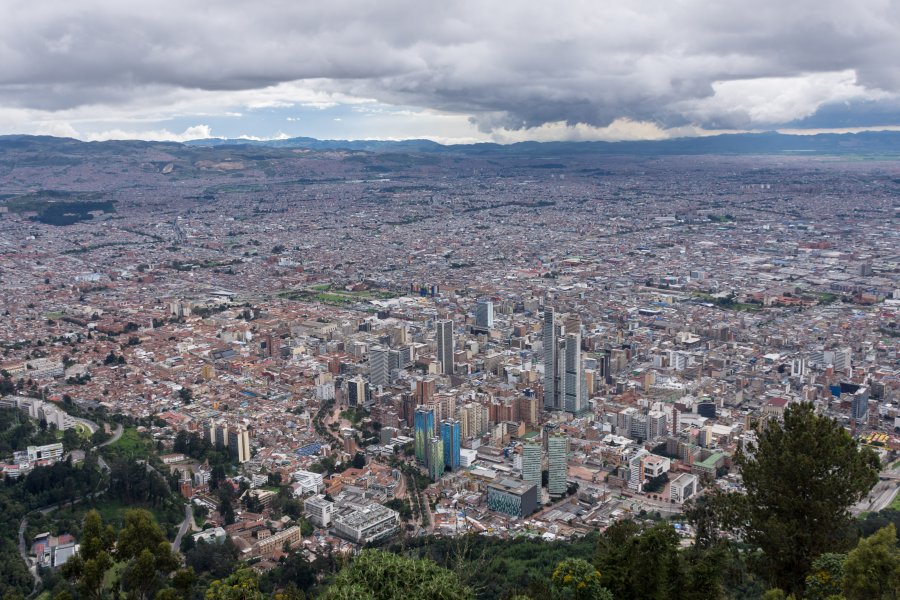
[
  {"x": 450, "y": 438},
  {"x": 424, "y": 425}
]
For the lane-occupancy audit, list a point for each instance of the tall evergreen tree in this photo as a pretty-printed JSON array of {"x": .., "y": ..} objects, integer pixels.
[{"x": 801, "y": 477}]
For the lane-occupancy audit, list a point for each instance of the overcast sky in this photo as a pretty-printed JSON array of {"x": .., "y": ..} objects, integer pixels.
[{"x": 452, "y": 71}]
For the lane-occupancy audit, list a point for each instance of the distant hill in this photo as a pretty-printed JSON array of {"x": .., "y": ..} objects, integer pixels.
[
  {"x": 865, "y": 143},
  {"x": 871, "y": 142}
]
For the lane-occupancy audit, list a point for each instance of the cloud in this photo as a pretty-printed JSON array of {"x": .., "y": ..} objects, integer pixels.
[
  {"x": 573, "y": 67},
  {"x": 196, "y": 132}
]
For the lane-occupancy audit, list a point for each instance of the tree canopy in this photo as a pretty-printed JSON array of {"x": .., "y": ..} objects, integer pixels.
[
  {"x": 801, "y": 477},
  {"x": 377, "y": 575}
]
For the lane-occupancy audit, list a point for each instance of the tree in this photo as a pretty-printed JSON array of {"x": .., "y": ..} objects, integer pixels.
[
  {"x": 186, "y": 395},
  {"x": 872, "y": 569},
  {"x": 800, "y": 479},
  {"x": 359, "y": 461},
  {"x": 641, "y": 565},
  {"x": 376, "y": 575},
  {"x": 88, "y": 567},
  {"x": 243, "y": 584},
  {"x": 139, "y": 533},
  {"x": 577, "y": 579},
  {"x": 826, "y": 578}
]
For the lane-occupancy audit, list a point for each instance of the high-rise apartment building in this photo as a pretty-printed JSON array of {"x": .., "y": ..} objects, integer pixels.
[
  {"x": 425, "y": 390},
  {"x": 239, "y": 444},
  {"x": 444, "y": 341},
  {"x": 473, "y": 420}
]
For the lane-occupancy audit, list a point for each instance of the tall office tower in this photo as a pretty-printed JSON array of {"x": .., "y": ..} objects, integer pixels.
[
  {"x": 221, "y": 435},
  {"x": 551, "y": 360},
  {"x": 450, "y": 437},
  {"x": 842, "y": 360},
  {"x": 406, "y": 356},
  {"x": 557, "y": 451},
  {"x": 532, "y": 460},
  {"x": 444, "y": 340},
  {"x": 424, "y": 431},
  {"x": 434, "y": 457},
  {"x": 574, "y": 395},
  {"x": 358, "y": 392},
  {"x": 239, "y": 444},
  {"x": 394, "y": 359},
  {"x": 484, "y": 315},
  {"x": 425, "y": 390},
  {"x": 379, "y": 368}
]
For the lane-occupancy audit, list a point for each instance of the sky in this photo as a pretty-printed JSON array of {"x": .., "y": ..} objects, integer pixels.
[{"x": 450, "y": 71}]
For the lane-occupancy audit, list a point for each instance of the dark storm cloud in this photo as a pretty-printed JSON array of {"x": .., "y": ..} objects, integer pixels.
[{"x": 508, "y": 64}]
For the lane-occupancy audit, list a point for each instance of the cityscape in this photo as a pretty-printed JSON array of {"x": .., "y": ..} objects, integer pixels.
[{"x": 595, "y": 343}]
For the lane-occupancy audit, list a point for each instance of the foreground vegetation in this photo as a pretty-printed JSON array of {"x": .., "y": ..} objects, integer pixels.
[{"x": 788, "y": 535}]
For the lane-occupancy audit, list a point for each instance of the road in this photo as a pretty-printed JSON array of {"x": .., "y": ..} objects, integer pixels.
[
  {"x": 879, "y": 498},
  {"x": 187, "y": 523}
]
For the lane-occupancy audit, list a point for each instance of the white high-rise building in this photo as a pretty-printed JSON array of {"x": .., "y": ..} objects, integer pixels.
[
  {"x": 379, "y": 368},
  {"x": 444, "y": 340},
  {"x": 532, "y": 458}
]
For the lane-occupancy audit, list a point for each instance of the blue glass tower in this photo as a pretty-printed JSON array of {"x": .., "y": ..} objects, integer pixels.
[
  {"x": 424, "y": 425},
  {"x": 450, "y": 437}
]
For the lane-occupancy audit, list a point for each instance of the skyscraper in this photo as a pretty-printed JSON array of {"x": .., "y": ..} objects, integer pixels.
[
  {"x": 564, "y": 383},
  {"x": 450, "y": 437},
  {"x": 424, "y": 425},
  {"x": 574, "y": 375},
  {"x": 551, "y": 364},
  {"x": 557, "y": 450},
  {"x": 532, "y": 459},
  {"x": 379, "y": 368},
  {"x": 239, "y": 444},
  {"x": 444, "y": 341},
  {"x": 484, "y": 315},
  {"x": 434, "y": 457}
]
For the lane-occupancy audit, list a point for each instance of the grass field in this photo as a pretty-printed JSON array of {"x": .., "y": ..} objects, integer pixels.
[
  {"x": 336, "y": 297},
  {"x": 895, "y": 505},
  {"x": 131, "y": 444}
]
